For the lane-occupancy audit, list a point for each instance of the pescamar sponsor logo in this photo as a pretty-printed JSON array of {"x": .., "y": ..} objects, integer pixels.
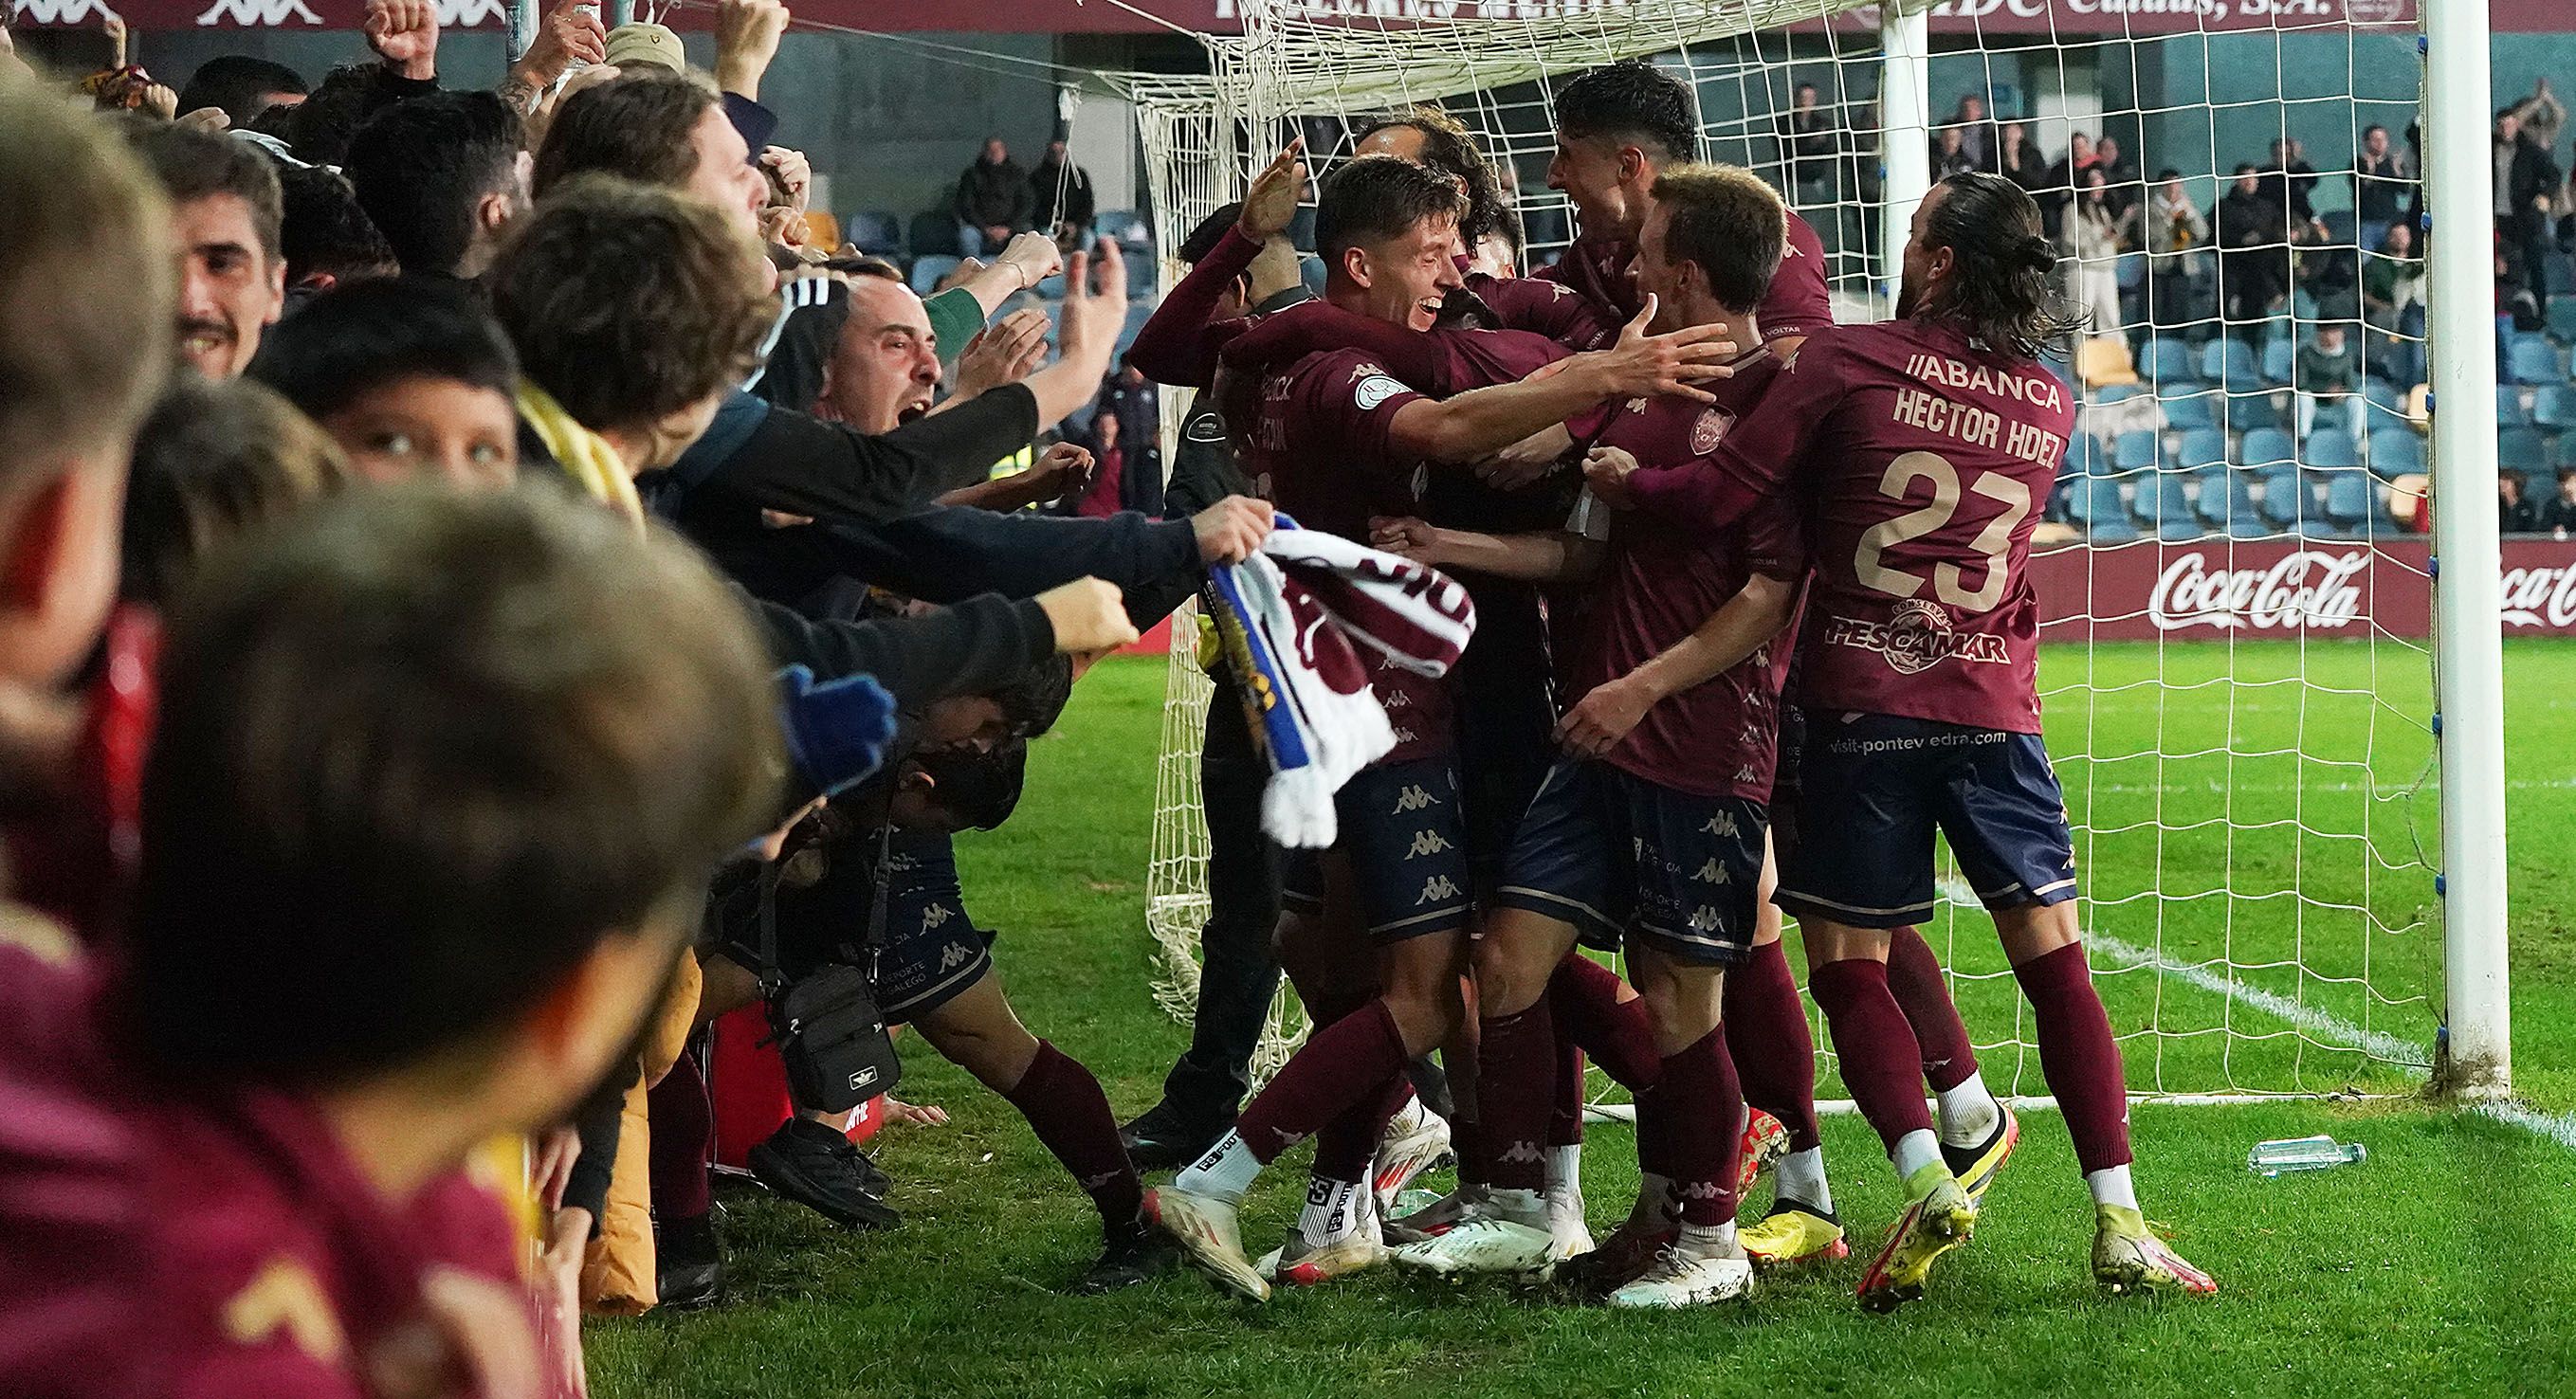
[
  {"x": 2314, "y": 589},
  {"x": 1916, "y": 636}
]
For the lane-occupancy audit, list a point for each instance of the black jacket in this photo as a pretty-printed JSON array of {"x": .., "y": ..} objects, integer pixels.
[
  {"x": 989, "y": 194},
  {"x": 1077, "y": 207}
]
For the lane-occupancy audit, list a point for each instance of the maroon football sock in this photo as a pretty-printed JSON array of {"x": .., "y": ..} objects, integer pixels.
[
  {"x": 1585, "y": 1003},
  {"x": 1881, "y": 1063},
  {"x": 1065, "y": 1107},
  {"x": 1515, "y": 1081},
  {"x": 683, "y": 1142},
  {"x": 1565, "y": 1110},
  {"x": 2078, "y": 1057},
  {"x": 1914, "y": 978},
  {"x": 1766, "y": 1036},
  {"x": 1702, "y": 1109},
  {"x": 1346, "y": 1062},
  {"x": 1348, "y": 1143}
]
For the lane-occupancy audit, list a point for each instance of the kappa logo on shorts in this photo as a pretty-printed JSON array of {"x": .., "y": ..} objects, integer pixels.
[
  {"x": 1437, "y": 889},
  {"x": 955, "y": 955},
  {"x": 1703, "y": 919},
  {"x": 1525, "y": 1152},
  {"x": 1722, "y": 825},
  {"x": 1414, "y": 798},
  {"x": 1712, "y": 872},
  {"x": 933, "y": 916},
  {"x": 1427, "y": 843}
]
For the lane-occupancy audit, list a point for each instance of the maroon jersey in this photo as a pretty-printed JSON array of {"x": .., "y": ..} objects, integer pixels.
[
  {"x": 1317, "y": 445},
  {"x": 1795, "y": 305},
  {"x": 190, "y": 1243},
  {"x": 1544, "y": 307},
  {"x": 1924, "y": 462},
  {"x": 1666, "y": 577}
]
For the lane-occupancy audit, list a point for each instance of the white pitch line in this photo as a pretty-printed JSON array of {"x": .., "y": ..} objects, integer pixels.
[{"x": 2557, "y": 1126}]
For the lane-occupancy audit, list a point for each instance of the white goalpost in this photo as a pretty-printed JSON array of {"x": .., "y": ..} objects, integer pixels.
[{"x": 2275, "y": 708}]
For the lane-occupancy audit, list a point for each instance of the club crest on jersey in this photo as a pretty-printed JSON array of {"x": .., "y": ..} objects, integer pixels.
[
  {"x": 1376, "y": 386},
  {"x": 1709, "y": 429},
  {"x": 1916, "y": 636}
]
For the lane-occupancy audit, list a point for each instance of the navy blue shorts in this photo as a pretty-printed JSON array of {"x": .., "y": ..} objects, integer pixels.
[
  {"x": 1872, "y": 789},
  {"x": 932, "y": 948},
  {"x": 1406, "y": 835},
  {"x": 1612, "y": 853}
]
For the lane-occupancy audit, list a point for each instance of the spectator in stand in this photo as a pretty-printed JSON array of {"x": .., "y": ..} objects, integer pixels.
[
  {"x": 1950, "y": 154},
  {"x": 2392, "y": 284},
  {"x": 2290, "y": 159},
  {"x": 242, "y": 88},
  {"x": 1977, "y": 138},
  {"x": 2016, "y": 159},
  {"x": 2526, "y": 192},
  {"x": 2062, "y": 181},
  {"x": 441, "y": 176},
  {"x": 1809, "y": 136},
  {"x": 2558, "y": 515},
  {"x": 1124, "y": 438},
  {"x": 2327, "y": 368},
  {"x": 993, "y": 201},
  {"x": 2515, "y": 515},
  {"x": 227, "y": 216},
  {"x": 1063, "y": 204},
  {"x": 2174, "y": 234},
  {"x": 324, "y": 237},
  {"x": 2380, "y": 175},
  {"x": 2328, "y": 272},
  {"x": 2253, "y": 241},
  {"x": 2543, "y": 116},
  {"x": 2092, "y": 242}
]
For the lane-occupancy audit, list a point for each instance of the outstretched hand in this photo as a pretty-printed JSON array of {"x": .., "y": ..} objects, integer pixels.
[
  {"x": 1272, "y": 200},
  {"x": 1644, "y": 365}
]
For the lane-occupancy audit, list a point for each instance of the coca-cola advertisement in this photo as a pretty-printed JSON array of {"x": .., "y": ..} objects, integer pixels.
[{"x": 2283, "y": 588}]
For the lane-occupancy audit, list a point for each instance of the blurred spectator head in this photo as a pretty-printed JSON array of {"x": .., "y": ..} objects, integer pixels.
[
  {"x": 87, "y": 274},
  {"x": 441, "y": 175},
  {"x": 325, "y": 237},
  {"x": 409, "y": 375},
  {"x": 243, "y": 87},
  {"x": 212, "y": 461},
  {"x": 655, "y": 128},
  {"x": 227, "y": 217},
  {"x": 960, "y": 791},
  {"x": 2374, "y": 140}
]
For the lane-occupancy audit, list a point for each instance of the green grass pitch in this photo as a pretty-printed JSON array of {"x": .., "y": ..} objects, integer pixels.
[{"x": 2259, "y": 851}]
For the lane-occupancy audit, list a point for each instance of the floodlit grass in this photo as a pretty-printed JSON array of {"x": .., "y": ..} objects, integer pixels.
[{"x": 2439, "y": 1266}]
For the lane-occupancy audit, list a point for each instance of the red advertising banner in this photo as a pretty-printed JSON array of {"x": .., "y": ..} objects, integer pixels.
[{"x": 2282, "y": 588}]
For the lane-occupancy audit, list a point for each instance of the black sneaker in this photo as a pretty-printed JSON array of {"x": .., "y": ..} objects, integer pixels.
[
  {"x": 818, "y": 1168},
  {"x": 1134, "y": 1254},
  {"x": 1161, "y": 1141},
  {"x": 690, "y": 1265}
]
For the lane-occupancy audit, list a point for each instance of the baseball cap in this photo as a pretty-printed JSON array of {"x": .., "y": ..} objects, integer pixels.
[{"x": 646, "y": 45}]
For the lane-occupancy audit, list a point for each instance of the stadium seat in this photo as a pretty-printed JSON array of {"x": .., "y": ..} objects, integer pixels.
[
  {"x": 2395, "y": 450},
  {"x": 2534, "y": 360},
  {"x": 2119, "y": 393},
  {"x": 2353, "y": 506},
  {"x": 2303, "y": 307},
  {"x": 2521, "y": 449},
  {"x": 2288, "y": 502},
  {"x": 2083, "y": 457},
  {"x": 1144, "y": 273},
  {"x": 1128, "y": 226},
  {"x": 874, "y": 232},
  {"x": 1311, "y": 271},
  {"x": 2562, "y": 317},
  {"x": 2097, "y": 506},
  {"x": 2164, "y": 505},
  {"x": 2554, "y": 407},
  {"x": 2103, "y": 360},
  {"x": 2202, "y": 447},
  {"x": 2335, "y": 413},
  {"x": 2509, "y": 409},
  {"x": 932, "y": 232},
  {"x": 2168, "y": 363},
  {"x": 2266, "y": 446},
  {"x": 2331, "y": 449},
  {"x": 2566, "y": 453},
  {"x": 2187, "y": 405},
  {"x": 2248, "y": 411},
  {"x": 929, "y": 268},
  {"x": 2276, "y": 360},
  {"x": 2386, "y": 403},
  {"x": 2228, "y": 362},
  {"x": 2227, "y": 503},
  {"x": 2135, "y": 452}
]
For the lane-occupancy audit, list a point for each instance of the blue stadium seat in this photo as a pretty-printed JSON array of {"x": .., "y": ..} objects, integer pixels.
[
  {"x": 1144, "y": 274},
  {"x": 2331, "y": 449},
  {"x": 2276, "y": 360},
  {"x": 2509, "y": 409},
  {"x": 2562, "y": 317},
  {"x": 2227, "y": 503},
  {"x": 928, "y": 268},
  {"x": 2084, "y": 457},
  {"x": 2353, "y": 506},
  {"x": 2288, "y": 502},
  {"x": 1127, "y": 226},
  {"x": 2249, "y": 411},
  {"x": 1311, "y": 271},
  {"x": 2534, "y": 360},
  {"x": 2521, "y": 449},
  {"x": 2566, "y": 455},
  {"x": 2165, "y": 507},
  {"x": 874, "y": 232},
  {"x": 2266, "y": 446},
  {"x": 2135, "y": 451},
  {"x": 2335, "y": 413},
  {"x": 2303, "y": 307},
  {"x": 2202, "y": 447},
  {"x": 2118, "y": 393},
  {"x": 2554, "y": 407},
  {"x": 2168, "y": 363},
  {"x": 2097, "y": 506},
  {"x": 2395, "y": 451},
  {"x": 2229, "y": 362},
  {"x": 2188, "y": 405},
  {"x": 2385, "y": 399}
]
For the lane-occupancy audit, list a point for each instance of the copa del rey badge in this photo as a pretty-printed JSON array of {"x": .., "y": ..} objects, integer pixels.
[{"x": 1709, "y": 429}]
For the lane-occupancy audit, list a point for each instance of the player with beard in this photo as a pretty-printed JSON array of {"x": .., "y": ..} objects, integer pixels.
[
  {"x": 1650, "y": 827},
  {"x": 1924, "y": 445},
  {"x": 1334, "y": 440}
]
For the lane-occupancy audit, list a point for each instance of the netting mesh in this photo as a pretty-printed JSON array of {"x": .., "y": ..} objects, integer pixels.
[{"x": 2236, "y": 679}]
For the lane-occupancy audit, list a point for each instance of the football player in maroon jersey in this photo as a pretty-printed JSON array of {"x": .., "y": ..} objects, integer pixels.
[{"x": 1923, "y": 447}]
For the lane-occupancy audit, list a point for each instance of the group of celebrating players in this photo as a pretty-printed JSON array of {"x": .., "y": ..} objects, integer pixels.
[{"x": 1751, "y": 598}]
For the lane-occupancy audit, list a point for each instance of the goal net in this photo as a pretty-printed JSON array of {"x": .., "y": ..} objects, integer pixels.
[{"x": 2237, "y": 666}]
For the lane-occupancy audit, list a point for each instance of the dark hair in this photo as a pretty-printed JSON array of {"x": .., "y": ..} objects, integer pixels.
[
  {"x": 238, "y": 83},
  {"x": 864, "y": 265},
  {"x": 1729, "y": 224},
  {"x": 1373, "y": 198},
  {"x": 417, "y": 757},
  {"x": 2566, "y": 474},
  {"x": 194, "y": 164},
  {"x": 420, "y": 168},
  {"x": 1633, "y": 103},
  {"x": 87, "y": 277},
  {"x": 629, "y": 303},
  {"x": 2247, "y": 167},
  {"x": 634, "y": 127},
  {"x": 211, "y": 461},
  {"x": 325, "y": 232},
  {"x": 2167, "y": 173},
  {"x": 1032, "y": 702},
  {"x": 317, "y": 130},
  {"x": 978, "y": 791},
  {"x": 1448, "y": 147},
  {"x": 354, "y": 339},
  {"x": 1999, "y": 284},
  {"x": 1210, "y": 232}
]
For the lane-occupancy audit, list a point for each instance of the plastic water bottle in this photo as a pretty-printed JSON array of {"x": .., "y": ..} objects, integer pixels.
[{"x": 2271, "y": 1159}]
